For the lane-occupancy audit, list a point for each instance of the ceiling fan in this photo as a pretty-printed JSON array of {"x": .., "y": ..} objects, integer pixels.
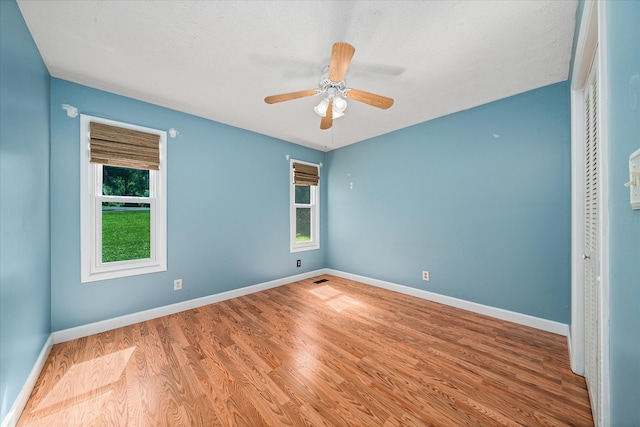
[{"x": 334, "y": 89}]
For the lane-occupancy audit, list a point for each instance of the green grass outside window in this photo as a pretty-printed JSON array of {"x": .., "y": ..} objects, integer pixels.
[{"x": 126, "y": 235}]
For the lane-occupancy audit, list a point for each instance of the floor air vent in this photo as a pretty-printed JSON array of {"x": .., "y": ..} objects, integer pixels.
[{"x": 321, "y": 281}]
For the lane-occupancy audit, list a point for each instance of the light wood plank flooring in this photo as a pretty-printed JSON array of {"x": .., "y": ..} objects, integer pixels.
[{"x": 335, "y": 353}]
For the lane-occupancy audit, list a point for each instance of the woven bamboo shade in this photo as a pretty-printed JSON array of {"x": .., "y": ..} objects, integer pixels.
[
  {"x": 116, "y": 146},
  {"x": 305, "y": 174}
]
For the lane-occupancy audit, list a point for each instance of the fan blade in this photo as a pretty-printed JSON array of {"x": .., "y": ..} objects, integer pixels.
[
  {"x": 289, "y": 96},
  {"x": 340, "y": 59},
  {"x": 327, "y": 120},
  {"x": 370, "y": 98}
]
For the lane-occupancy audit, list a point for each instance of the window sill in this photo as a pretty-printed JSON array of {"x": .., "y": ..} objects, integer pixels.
[
  {"x": 123, "y": 272},
  {"x": 305, "y": 248}
]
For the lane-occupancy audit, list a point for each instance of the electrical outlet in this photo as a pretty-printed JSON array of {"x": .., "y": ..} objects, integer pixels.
[
  {"x": 425, "y": 276},
  {"x": 299, "y": 263},
  {"x": 177, "y": 284}
]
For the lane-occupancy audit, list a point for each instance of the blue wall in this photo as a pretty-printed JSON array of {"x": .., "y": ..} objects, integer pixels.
[
  {"x": 623, "y": 41},
  {"x": 228, "y": 210},
  {"x": 25, "y": 299},
  {"x": 480, "y": 198}
]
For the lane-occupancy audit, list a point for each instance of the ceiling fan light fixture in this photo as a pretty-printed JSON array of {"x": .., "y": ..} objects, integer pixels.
[
  {"x": 321, "y": 108},
  {"x": 337, "y": 115},
  {"x": 339, "y": 105}
]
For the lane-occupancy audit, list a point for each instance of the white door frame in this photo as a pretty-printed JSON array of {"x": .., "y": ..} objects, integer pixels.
[{"x": 592, "y": 35}]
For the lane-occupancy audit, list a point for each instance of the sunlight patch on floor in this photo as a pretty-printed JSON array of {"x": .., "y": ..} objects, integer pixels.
[
  {"x": 325, "y": 292},
  {"x": 87, "y": 377},
  {"x": 76, "y": 415},
  {"x": 334, "y": 298},
  {"x": 342, "y": 302}
]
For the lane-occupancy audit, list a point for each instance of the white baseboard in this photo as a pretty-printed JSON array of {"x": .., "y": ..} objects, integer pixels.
[
  {"x": 571, "y": 361},
  {"x": 141, "y": 316},
  {"x": 511, "y": 316},
  {"x": 11, "y": 419},
  {"x": 575, "y": 358}
]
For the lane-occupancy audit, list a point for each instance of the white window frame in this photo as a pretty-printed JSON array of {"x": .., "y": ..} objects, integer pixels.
[
  {"x": 91, "y": 198},
  {"x": 314, "y": 204}
]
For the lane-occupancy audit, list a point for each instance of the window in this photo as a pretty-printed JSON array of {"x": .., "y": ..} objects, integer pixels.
[
  {"x": 123, "y": 199},
  {"x": 304, "y": 198}
]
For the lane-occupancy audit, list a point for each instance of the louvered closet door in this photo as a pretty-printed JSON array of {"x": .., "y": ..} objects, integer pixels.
[{"x": 592, "y": 288}]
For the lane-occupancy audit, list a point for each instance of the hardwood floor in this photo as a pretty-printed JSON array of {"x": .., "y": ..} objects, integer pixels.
[{"x": 335, "y": 353}]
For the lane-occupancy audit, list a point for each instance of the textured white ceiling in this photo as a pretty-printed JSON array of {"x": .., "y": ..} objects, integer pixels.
[{"x": 219, "y": 59}]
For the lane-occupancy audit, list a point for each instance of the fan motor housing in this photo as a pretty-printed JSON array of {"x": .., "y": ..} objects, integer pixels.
[{"x": 326, "y": 84}]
